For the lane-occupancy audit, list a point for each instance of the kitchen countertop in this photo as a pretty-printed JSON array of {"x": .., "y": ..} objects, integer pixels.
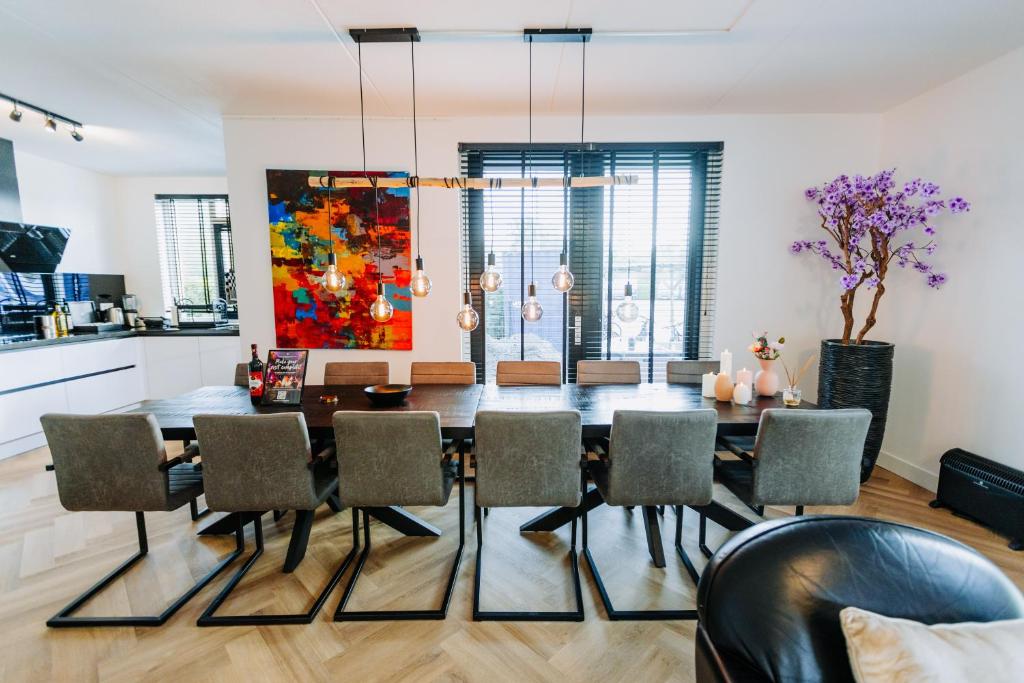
[{"x": 31, "y": 343}]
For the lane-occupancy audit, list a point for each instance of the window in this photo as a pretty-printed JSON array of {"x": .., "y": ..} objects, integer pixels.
[
  {"x": 197, "y": 262},
  {"x": 660, "y": 234}
]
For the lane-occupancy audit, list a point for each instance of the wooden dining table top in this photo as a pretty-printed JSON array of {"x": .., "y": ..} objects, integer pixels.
[{"x": 457, "y": 405}]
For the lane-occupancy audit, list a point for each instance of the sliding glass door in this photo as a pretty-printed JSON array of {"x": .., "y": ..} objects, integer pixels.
[{"x": 660, "y": 235}]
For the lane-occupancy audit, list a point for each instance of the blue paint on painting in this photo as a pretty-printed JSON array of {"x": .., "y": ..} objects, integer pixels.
[{"x": 279, "y": 212}]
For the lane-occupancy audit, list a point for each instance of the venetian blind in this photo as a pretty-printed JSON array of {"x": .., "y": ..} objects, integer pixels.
[
  {"x": 661, "y": 234},
  {"x": 197, "y": 263}
]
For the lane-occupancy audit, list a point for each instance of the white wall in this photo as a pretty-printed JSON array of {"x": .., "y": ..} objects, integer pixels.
[
  {"x": 65, "y": 196},
  {"x": 768, "y": 162},
  {"x": 958, "y": 359},
  {"x": 140, "y": 255}
]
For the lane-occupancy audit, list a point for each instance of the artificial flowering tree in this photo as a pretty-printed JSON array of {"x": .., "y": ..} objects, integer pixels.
[{"x": 870, "y": 225}]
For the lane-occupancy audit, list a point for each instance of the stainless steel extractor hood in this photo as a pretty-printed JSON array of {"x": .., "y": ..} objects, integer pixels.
[{"x": 24, "y": 248}]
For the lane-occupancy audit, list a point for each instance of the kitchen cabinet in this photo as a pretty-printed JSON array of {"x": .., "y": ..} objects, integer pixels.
[{"x": 176, "y": 364}]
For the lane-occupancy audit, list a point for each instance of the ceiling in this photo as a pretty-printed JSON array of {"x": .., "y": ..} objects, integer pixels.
[{"x": 152, "y": 79}]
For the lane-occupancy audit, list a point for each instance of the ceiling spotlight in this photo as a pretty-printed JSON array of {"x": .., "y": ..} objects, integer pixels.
[
  {"x": 50, "y": 124},
  {"x": 16, "y": 113},
  {"x": 76, "y": 134}
]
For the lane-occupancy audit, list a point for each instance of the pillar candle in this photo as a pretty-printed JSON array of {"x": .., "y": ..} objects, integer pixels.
[
  {"x": 723, "y": 387},
  {"x": 707, "y": 385},
  {"x": 726, "y": 364},
  {"x": 741, "y": 394},
  {"x": 745, "y": 376}
]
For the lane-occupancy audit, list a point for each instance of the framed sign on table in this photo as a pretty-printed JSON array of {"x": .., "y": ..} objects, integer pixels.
[{"x": 285, "y": 377}]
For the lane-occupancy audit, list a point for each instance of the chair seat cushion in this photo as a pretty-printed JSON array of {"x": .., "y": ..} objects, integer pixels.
[
  {"x": 884, "y": 649},
  {"x": 738, "y": 477}
]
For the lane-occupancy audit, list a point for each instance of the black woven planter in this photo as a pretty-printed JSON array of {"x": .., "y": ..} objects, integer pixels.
[{"x": 858, "y": 376}]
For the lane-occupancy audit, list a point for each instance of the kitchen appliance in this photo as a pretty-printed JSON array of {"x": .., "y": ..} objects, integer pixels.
[
  {"x": 26, "y": 248},
  {"x": 153, "y": 323},
  {"x": 114, "y": 315},
  {"x": 82, "y": 312},
  {"x": 44, "y": 327},
  {"x": 983, "y": 490},
  {"x": 95, "y": 328}
]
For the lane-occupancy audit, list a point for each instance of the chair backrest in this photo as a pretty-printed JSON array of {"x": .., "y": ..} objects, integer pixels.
[
  {"x": 608, "y": 372},
  {"x": 770, "y": 597},
  {"x": 689, "y": 371},
  {"x": 661, "y": 458},
  {"x": 242, "y": 375},
  {"x": 256, "y": 462},
  {"x": 523, "y": 373},
  {"x": 365, "y": 373},
  {"x": 443, "y": 373},
  {"x": 389, "y": 458},
  {"x": 526, "y": 459},
  {"x": 809, "y": 457},
  {"x": 108, "y": 462}
]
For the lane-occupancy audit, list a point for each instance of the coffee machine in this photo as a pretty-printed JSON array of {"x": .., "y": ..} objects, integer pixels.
[{"x": 130, "y": 306}]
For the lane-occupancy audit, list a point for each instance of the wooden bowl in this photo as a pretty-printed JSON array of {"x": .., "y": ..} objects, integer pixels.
[{"x": 387, "y": 395}]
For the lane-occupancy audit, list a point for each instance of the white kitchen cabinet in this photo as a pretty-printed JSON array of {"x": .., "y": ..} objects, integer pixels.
[
  {"x": 218, "y": 357},
  {"x": 172, "y": 366}
]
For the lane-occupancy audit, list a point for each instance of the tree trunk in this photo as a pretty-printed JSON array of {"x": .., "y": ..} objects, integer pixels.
[{"x": 870, "y": 321}]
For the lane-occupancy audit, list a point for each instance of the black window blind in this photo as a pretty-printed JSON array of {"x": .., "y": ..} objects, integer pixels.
[
  {"x": 661, "y": 234},
  {"x": 197, "y": 263}
]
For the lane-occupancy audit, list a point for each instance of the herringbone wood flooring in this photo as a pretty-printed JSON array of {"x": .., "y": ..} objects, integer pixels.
[{"x": 47, "y": 556}]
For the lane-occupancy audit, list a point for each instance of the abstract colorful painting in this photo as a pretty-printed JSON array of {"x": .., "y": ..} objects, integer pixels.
[{"x": 307, "y": 315}]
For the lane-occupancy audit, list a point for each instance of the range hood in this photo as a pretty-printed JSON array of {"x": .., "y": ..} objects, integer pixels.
[{"x": 24, "y": 248}]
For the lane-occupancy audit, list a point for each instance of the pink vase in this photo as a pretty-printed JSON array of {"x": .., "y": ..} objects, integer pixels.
[{"x": 766, "y": 381}]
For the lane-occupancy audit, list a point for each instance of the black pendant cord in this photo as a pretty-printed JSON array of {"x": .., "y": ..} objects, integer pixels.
[
  {"x": 362, "y": 114},
  {"x": 529, "y": 154},
  {"x": 583, "y": 102},
  {"x": 330, "y": 227},
  {"x": 415, "y": 143},
  {"x": 376, "y": 220}
]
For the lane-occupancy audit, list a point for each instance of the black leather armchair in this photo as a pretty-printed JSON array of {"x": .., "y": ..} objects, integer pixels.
[{"x": 769, "y": 599}]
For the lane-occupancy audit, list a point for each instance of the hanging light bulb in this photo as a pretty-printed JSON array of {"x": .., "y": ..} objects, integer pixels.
[
  {"x": 490, "y": 279},
  {"x": 532, "y": 310},
  {"x": 627, "y": 311},
  {"x": 562, "y": 280},
  {"x": 467, "y": 318},
  {"x": 333, "y": 280},
  {"x": 381, "y": 309},
  {"x": 420, "y": 283}
]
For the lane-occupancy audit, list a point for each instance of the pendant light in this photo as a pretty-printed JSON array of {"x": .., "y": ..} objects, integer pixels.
[
  {"x": 381, "y": 309},
  {"x": 420, "y": 283},
  {"x": 490, "y": 279},
  {"x": 333, "y": 279},
  {"x": 627, "y": 311},
  {"x": 468, "y": 319},
  {"x": 563, "y": 279},
  {"x": 532, "y": 310}
]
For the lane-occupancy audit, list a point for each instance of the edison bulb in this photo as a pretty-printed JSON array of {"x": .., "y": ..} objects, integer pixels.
[
  {"x": 562, "y": 280},
  {"x": 627, "y": 311},
  {"x": 490, "y": 279},
  {"x": 381, "y": 309},
  {"x": 467, "y": 318},
  {"x": 532, "y": 310},
  {"x": 420, "y": 283},
  {"x": 333, "y": 280}
]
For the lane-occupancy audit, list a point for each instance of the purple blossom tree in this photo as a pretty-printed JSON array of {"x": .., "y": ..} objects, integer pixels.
[{"x": 867, "y": 220}]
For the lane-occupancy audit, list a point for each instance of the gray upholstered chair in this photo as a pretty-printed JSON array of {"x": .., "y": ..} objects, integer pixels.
[
  {"x": 406, "y": 468},
  {"x": 113, "y": 463},
  {"x": 242, "y": 375},
  {"x": 365, "y": 373},
  {"x": 608, "y": 372},
  {"x": 524, "y": 373},
  {"x": 527, "y": 459},
  {"x": 801, "y": 457},
  {"x": 443, "y": 373},
  {"x": 255, "y": 463},
  {"x": 652, "y": 459}
]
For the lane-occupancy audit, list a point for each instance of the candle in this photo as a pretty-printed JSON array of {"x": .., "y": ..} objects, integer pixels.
[
  {"x": 741, "y": 394},
  {"x": 707, "y": 385},
  {"x": 726, "y": 364},
  {"x": 745, "y": 376},
  {"x": 723, "y": 387}
]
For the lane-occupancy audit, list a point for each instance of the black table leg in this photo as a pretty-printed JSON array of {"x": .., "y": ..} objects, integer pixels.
[
  {"x": 299, "y": 540},
  {"x": 228, "y": 524},
  {"x": 557, "y": 517},
  {"x": 399, "y": 519},
  {"x": 653, "y": 535}
]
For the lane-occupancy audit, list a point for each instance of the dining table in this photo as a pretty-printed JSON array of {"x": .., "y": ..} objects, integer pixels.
[{"x": 457, "y": 406}]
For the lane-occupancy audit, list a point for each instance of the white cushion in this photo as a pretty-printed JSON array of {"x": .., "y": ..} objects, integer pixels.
[{"x": 887, "y": 650}]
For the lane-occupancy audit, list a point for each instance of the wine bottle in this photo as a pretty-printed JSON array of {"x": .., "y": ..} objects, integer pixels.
[{"x": 255, "y": 377}]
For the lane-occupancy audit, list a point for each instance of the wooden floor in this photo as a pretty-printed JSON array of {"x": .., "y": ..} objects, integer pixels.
[{"x": 47, "y": 556}]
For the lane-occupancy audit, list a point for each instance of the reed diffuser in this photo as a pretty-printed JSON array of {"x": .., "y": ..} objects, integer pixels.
[{"x": 791, "y": 396}]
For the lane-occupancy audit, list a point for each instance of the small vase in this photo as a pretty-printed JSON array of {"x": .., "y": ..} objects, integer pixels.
[
  {"x": 766, "y": 381},
  {"x": 791, "y": 397}
]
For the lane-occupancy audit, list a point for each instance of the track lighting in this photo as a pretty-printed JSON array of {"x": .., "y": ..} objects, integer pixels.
[
  {"x": 76, "y": 135},
  {"x": 50, "y": 118},
  {"x": 50, "y": 125},
  {"x": 16, "y": 114}
]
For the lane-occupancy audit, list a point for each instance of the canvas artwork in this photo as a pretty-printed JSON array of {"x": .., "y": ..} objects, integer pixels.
[{"x": 307, "y": 315}]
